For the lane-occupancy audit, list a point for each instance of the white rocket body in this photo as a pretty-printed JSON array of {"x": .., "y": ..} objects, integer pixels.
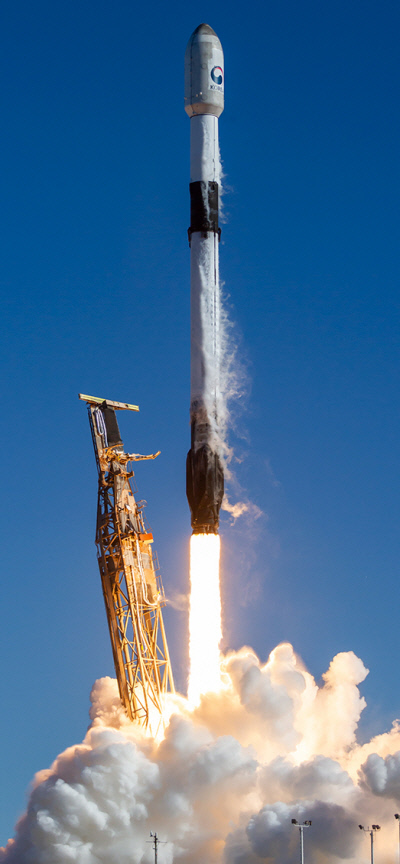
[
  {"x": 204, "y": 102},
  {"x": 204, "y": 285}
]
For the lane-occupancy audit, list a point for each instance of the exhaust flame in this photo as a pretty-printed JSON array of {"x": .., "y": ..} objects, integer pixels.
[{"x": 205, "y": 630}]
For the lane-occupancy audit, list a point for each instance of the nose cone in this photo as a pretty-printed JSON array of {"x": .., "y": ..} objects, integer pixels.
[
  {"x": 204, "y": 73},
  {"x": 203, "y": 29}
]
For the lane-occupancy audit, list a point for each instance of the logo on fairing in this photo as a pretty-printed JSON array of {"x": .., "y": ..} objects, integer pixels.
[{"x": 217, "y": 75}]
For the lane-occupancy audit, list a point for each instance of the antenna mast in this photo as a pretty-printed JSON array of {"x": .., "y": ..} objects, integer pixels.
[{"x": 156, "y": 842}]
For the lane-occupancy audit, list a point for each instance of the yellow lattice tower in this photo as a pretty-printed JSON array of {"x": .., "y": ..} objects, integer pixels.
[{"x": 132, "y": 589}]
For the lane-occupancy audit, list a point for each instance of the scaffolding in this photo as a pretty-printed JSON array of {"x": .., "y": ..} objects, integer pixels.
[{"x": 132, "y": 587}]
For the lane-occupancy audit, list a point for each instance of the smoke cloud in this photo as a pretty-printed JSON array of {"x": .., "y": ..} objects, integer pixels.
[{"x": 226, "y": 779}]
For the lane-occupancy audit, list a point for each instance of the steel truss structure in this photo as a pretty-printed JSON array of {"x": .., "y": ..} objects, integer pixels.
[{"x": 132, "y": 588}]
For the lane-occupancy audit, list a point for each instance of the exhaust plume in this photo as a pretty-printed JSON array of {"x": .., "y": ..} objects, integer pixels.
[{"x": 205, "y": 625}]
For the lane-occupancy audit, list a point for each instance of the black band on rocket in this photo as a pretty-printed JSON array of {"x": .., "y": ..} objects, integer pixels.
[{"x": 204, "y": 207}]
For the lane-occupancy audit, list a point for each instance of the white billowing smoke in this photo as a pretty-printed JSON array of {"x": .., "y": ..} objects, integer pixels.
[{"x": 226, "y": 780}]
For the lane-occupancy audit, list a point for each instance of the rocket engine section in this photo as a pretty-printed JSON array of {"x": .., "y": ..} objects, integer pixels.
[{"x": 204, "y": 489}]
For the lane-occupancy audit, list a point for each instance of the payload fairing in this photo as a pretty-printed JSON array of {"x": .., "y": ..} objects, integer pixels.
[{"x": 204, "y": 102}]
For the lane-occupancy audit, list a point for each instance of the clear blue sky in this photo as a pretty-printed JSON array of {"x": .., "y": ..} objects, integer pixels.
[{"x": 95, "y": 296}]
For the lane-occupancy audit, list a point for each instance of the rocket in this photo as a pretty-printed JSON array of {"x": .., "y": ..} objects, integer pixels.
[{"x": 204, "y": 102}]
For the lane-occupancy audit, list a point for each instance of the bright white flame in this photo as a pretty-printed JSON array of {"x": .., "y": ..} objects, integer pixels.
[{"x": 205, "y": 631}]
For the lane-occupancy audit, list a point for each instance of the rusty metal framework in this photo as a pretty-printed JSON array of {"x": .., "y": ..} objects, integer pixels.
[{"x": 132, "y": 588}]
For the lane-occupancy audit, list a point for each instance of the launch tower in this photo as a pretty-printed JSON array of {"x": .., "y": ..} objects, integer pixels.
[{"x": 132, "y": 588}]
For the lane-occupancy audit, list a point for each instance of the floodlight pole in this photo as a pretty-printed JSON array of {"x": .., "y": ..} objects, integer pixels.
[
  {"x": 397, "y": 816},
  {"x": 371, "y": 832},
  {"x": 301, "y": 826}
]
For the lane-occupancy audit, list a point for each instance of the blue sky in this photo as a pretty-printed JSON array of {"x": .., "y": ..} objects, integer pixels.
[{"x": 95, "y": 298}]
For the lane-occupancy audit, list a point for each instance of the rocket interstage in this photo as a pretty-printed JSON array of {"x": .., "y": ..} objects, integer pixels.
[{"x": 204, "y": 102}]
